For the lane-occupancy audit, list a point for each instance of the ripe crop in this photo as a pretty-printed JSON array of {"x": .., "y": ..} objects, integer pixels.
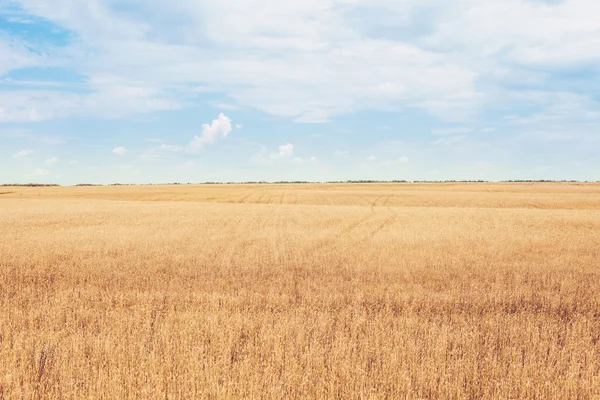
[{"x": 300, "y": 291}]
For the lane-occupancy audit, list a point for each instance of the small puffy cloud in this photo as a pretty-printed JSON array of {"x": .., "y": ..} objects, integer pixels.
[
  {"x": 120, "y": 151},
  {"x": 285, "y": 150},
  {"x": 219, "y": 128},
  {"x": 23, "y": 154},
  {"x": 52, "y": 160},
  {"x": 239, "y": 127}
]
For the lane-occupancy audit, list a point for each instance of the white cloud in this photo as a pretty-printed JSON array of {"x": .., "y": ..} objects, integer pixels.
[
  {"x": 219, "y": 128},
  {"x": 52, "y": 160},
  {"x": 225, "y": 106},
  {"x": 528, "y": 32},
  {"x": 285, "y": 154},
  {"x": 285, "y": 150},
  {"x": 14, "y": 54},
  {"x": 23, "y": 153},
  {"x": 287, "y": 60},
  {"x": 341, "y": 153},
  {"x": 120, "y": 151},
  {"x": 161, "y": 151},
  {"x": 105, "y": 99},
  {"x": 449, "y": 140}
]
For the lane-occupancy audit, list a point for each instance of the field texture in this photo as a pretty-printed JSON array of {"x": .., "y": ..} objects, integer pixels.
[{"x": 432, "y": 291}]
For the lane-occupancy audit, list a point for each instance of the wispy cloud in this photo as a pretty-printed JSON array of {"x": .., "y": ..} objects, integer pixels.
[
  {"x": 120, "y": 151},
  {"x": 161, "y": 151},
  {"x": 449, "y": 140},
  {"x": 285, "y": 153},
  {"x": 154, "y": 65},
  {"x": 23, "y": 153}
]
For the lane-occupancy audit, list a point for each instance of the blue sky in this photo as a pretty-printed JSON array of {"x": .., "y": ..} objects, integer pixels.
[{"x": 104, "y": 91}]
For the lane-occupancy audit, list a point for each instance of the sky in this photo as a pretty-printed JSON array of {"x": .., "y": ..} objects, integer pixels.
[{"x": 154, "y": 91}]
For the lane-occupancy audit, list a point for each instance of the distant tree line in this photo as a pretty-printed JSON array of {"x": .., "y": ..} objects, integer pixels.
[
  {"x": 544, "y": 181},
  {"x": 361, "y": 181},
  {"x": 30, "y": 184}
]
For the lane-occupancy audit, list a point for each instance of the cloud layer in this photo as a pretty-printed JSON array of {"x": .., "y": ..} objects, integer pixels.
[
  {"x": 417, "y": 85},
  {"x": 308, "y": 60}
]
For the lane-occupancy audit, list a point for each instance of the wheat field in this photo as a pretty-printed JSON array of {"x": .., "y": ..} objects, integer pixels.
[{"x": 324, "y": 291}]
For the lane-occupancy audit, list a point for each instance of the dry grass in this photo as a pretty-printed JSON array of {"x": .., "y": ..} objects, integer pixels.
[{"x": 308, "y": 291}]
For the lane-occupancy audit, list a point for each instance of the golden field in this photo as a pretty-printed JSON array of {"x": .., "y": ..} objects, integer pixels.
[{"x": 378, "y": 291}]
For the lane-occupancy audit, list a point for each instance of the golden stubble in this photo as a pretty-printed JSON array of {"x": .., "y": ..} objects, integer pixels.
[{"x": 300, "y": 291}]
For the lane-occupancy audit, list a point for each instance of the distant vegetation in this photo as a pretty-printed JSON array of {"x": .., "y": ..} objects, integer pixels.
[
  {"x": 361, "y": 181},
  {"x": 30, "y": 184}
]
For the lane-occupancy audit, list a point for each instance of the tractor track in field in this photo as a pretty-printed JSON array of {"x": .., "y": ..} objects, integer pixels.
[
  {"x": 389, "y": 220},
  {"x": 362, "y": 222},
  {"x": 244, "y": 198}
]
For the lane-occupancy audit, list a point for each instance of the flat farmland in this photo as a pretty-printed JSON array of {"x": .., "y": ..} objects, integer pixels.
[{"x": 324, "y": 291}]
